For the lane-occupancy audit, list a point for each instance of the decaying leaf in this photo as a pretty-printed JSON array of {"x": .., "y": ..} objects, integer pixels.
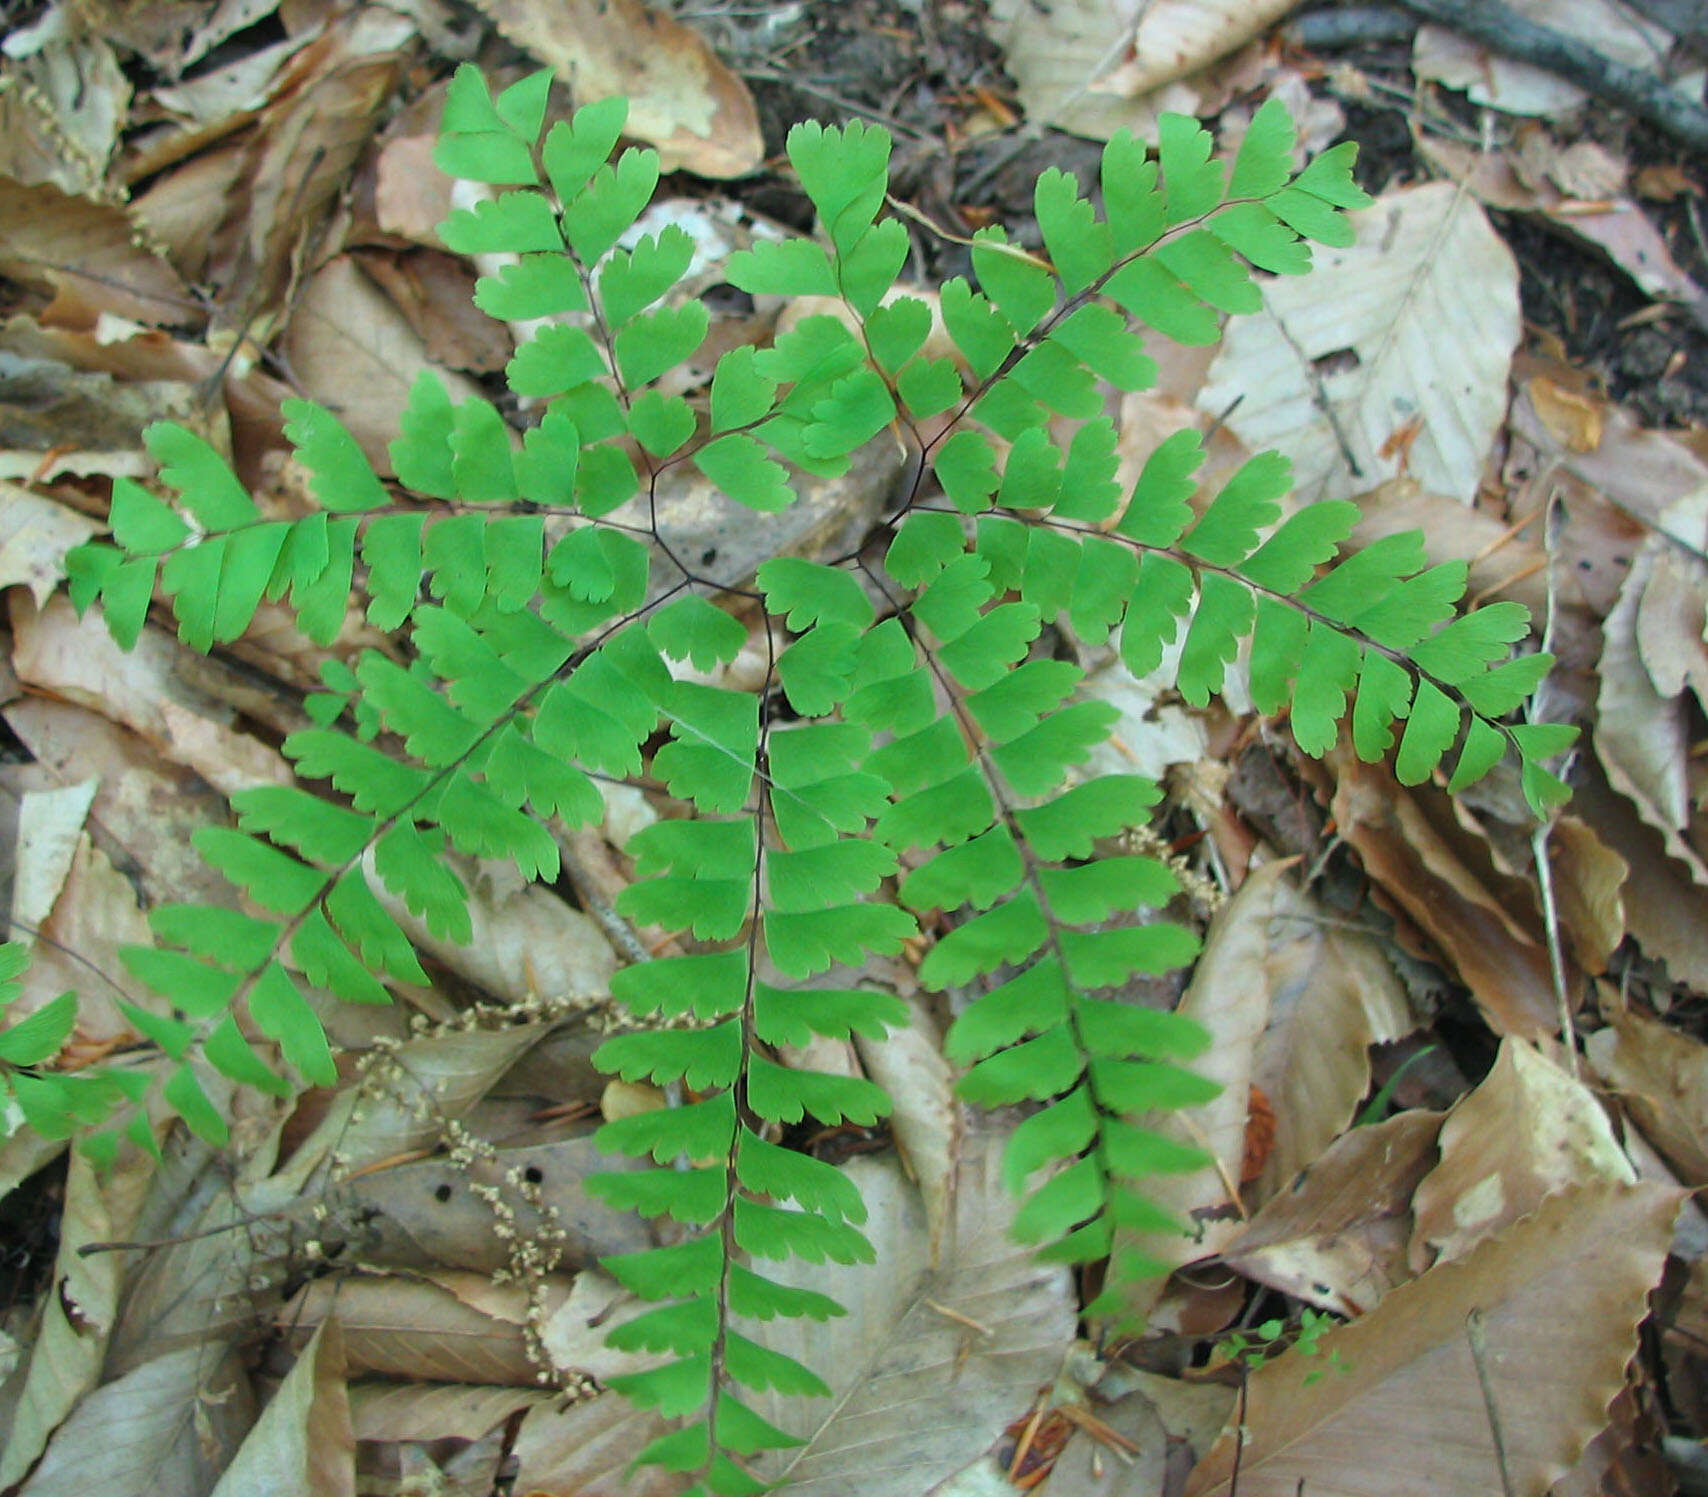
[
  {"x": 1229, "y": 995},
  {"x": 929, "y": 1363},
  {"x": 1333, "y": 994},
  {"x": 169, "y": 1425},
  {"x": 1083, "y": 65},
  {"x": 1412, "y": 326},
  {"x": 682, "y": 98},
  {"x": 1528, "y": 1130},
  {"x": 1500, "y": 957},
  {"x": 303, "y": 1441},
  {"x": 1337, "y": 1238},
  {"x": 1661, "y": 1075},
  {"x": 1409, "y": 1415},
  {"x": 1653, "y": 652}
]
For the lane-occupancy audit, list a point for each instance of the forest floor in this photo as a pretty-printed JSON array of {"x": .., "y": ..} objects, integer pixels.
[{"x": 206, "y": 208}]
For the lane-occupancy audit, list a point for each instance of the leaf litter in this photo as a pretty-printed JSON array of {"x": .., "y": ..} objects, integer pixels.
[{"x": 219, "y": 214}]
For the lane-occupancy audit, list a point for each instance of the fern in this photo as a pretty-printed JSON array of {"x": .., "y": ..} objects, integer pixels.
[{"x": 913, "y": 730}]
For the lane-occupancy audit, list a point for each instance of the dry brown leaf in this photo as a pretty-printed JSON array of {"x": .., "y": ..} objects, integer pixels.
[
  {"x": 355, "y": 352},
  {"x": 169, "y": 1425},
  {"x": 1229, "y": 995},
  {"x": 298, "y": 159},
  {"x": 143, "y": 688},
  {"x": 400, "y": 1325},
  {"x": 302, "y": 1445},
  {"x": 1409, "y": 1417},
  {"x": 435, "y": 291},
  {"x": 587, "y": 1449},
  {"x": 926, "y": 1117},
  {"x": 1499, "y": 958},
  {"x": 1589, "y": 887},
  {"x": 930, "y": 1362},
  {"x": 683, "y": 98},
  {"x": 63, "y": 100},
  {"x": 1084, "y": 65},
  {"x": 434, "y": 1411},
  {"x": 425, "y": 1212},
  {"x": 35, "y": 534},
  {"x": 87, "y": 255},
  {"x": 1528, "y": 1130},
  {"x": 1426, "y": 303},
  {"x": 69, "y": 1340},
  {"x": 1333, "y": 994},
  {"x": 1651, "y": 652},
  {"x": 1338, "y": 1238},
  {"x": 1661, "y": 1074}
]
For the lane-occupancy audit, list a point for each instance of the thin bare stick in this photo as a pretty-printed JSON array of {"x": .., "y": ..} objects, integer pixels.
[{"x": 1474, "y": 1333}]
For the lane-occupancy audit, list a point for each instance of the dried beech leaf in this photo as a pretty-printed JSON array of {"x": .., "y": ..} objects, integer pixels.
[
  {"x": 1501, "y": 960},
  {"x": 1528, "y": 1129},
  {"x": 683, "y": 98},
  {"x": 1229, "y": 995},
  {"x": 1083, "y": 65},
  {"x": 916, "y": 1388},
  {"x": 303, "y": 1441},
  {"x": 1338, "y": 1238},
  {"x": 1333, "y": 994},
  {"x": 1408, "y": 1418},
  {"x": 1661, "y": 1074},
  {"x": 1415, "y": 323}
]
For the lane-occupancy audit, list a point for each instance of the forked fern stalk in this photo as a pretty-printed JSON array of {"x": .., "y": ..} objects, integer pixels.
[{"x": 913, "y": 730}]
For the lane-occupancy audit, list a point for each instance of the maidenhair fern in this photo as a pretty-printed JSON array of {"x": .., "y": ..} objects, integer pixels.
[{"x": 913, "y": 749}]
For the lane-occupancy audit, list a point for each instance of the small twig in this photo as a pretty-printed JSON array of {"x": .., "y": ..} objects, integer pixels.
[
  {"x": 1349, "y": 26},
  {"x": 1551, "y": 928},
  {"x": 1512, "y": 35},
  {"x": 1027, "y": 1436},
  {"x": 1479, "y": 1356},
  {"x": 956, "y": 1316}
]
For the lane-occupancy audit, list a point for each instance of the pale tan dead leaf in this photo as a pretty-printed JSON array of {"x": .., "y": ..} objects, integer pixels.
[
  {"x": 435, "y": 291},
  {"x": 404, "y": 1326},
  {"x": 412, "y": 197},
  {"x": 1499, "y": 957},
  {"x": 1338, "y": 1238},
  {"x": 1229, "y": 995},
  {"x": 1333, "y": 994},
  {"x": 1083, "y": 65},
  {"x": 434, "y": 1411},
  {"x": 146, "y": 809},
  {"x": 925, "y": 1116},
  {"x": 298, "y": 159},
  {"x": 587, "y": 1448},
  {"x": 1612, "y": 224},
  {"x": 1612, "y": 30},
  {"x": 930, "y": 1362},
  {"x": 356, "y": 353},
  {"x": 1426, "y": 304},
  {"x": 79, "y": 1312},
  {"x": 1661, "y": 1075},
  {"x": 683, "y": 99},
  {"x": 426, "y": 1213},
  {"x": 1571, "y": 417},
  {"x": 1672, "y": 613},
  {"x": 244, "y": 85},
  {"x": 527, "y": 943},
  {"x": 63, "y": 100},
  {"x": 143, "y": 688},
  {"x": 575, "y": 1337},
  {"x": 1528, "y": 1130},
  {"x": 170, "y": 1425},
  {"x": 436, "y": 1077},
  {"x": 1409, "y": 1418},
  {"x": 1589, "y": 888},
  {"x": 35, "y": 534},
  {"x": 1666, "y": 910},
  {"x": 302, "y": 1445},
  {"x": 1643, "y": 729},
  {"x": 86, "y": 254},
  {"x": 50, "y": 825}
]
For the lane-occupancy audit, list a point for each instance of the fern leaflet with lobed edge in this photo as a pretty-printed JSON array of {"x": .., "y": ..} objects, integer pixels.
[{"x": 908, "y": 727}]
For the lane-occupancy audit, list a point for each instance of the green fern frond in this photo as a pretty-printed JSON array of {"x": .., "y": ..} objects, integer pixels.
[{"x": 913, "y": 753}]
